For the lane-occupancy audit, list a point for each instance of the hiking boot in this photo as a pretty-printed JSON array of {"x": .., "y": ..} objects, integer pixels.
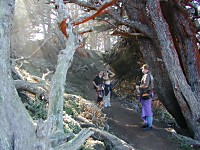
[
  {"x": 144, "y": 126},
  {"x": 147, "y": 129}
]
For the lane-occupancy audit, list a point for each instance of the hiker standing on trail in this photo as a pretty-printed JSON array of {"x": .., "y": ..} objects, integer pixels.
[
  {"x": 98, "y": 83},
  {"x": 106, "y": 98},
  {"x": 145, "y": 97}
]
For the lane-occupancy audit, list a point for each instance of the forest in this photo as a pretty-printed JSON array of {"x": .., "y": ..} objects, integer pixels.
[{"x": 50, "y": 51}]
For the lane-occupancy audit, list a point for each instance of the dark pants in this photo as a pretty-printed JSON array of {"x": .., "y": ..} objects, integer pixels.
[{"x": 100, "y": 95}]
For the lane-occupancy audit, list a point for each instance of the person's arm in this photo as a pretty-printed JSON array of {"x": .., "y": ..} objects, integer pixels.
[
  {"x": 111, "y": 74},
  {"x": 95, "y": 84}
]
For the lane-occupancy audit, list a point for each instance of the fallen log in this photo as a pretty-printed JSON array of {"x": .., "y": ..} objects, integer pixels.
[
  {"x": 82, "y": 119},
  {"x": 84, "y": 123},
  {"x": 78, "y": 141},
  {"x": 34, "y": 88},
  {"x": 117, "y": 143},
  {"x": 87, "y": 125}
]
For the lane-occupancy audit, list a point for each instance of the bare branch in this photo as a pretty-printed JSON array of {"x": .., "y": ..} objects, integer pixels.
[
  {"x": 126, "y": 34},
  {"x": 85, "y": 31},
  {"x": 46, "y": 74},
  {"x": 115, "y": 141},
  {"x": 85, "y": 4},
  {"x": 58, "y": 80},
  {"x": 34, "y": 88},
  {"x": 13, "y": 64},
  {"x": 60, "y": 138},
  {"x": 78, "y": 141},
  {"x": 100, "y": 11},
  {"x": 133, "y": 24}
]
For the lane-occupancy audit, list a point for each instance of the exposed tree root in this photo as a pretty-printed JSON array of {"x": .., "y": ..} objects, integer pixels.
[{"x": 117, "y": 143}]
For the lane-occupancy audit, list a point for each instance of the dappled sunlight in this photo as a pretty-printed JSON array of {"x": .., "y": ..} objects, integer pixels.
[
  {"x": 129, "y": 109},
  {"x": 158, "y": 128},
  {"x": 116, "y": 121},
  {"x": 39, "y": 35},
  {"x": 171, "y": 130},
  {"x": 131, "y": 125}
]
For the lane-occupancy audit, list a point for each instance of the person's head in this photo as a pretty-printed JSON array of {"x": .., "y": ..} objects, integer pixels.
[
  {"x": 101, "y": 73},
  {"x": 145, "y": 68},
  {"x": 106, "y": 71}
]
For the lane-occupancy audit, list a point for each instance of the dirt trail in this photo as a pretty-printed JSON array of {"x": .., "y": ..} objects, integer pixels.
[{"x": 126, "y": 124}]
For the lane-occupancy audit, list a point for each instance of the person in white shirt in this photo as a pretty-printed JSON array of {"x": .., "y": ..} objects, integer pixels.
[{"x": 107, "y": 80}]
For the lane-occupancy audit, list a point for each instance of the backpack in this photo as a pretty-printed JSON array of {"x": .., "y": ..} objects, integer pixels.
[{"x": 146, "y": 93}]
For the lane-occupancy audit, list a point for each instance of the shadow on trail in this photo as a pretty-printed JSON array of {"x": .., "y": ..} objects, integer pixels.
[{"x": 126, "y": 124}]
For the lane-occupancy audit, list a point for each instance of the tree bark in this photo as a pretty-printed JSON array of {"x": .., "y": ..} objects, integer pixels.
[
  {"x": 186, "y": 98},
  {"x": 56, "y": 97},
  {"x": 17, "y": 129},
  {"x": 152, "y": 56},
  {"x": 183, "y": 32},
  {"x": 76, "y": 142},
  {"x": 163, "y": 86},
  {"x": 117, "y": 143},
  {"x": 34, "y": 88}
]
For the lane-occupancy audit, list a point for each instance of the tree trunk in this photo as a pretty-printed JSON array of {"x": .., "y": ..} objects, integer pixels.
[
  {"x": 183, "y": 33},
  {"x": 163, "y": 86},
  {"x": 56, "y": 97},
  {"x": 187, "y": 99},
  {"x": 152, "y": 56},
  {"x": 17, "y": 129}
]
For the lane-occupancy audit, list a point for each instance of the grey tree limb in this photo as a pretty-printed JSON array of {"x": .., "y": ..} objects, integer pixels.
[{"x": 117, "y": 143}]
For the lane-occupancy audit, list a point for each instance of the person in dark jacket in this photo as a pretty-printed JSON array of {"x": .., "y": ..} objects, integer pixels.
[{"x": 98, "y": 83}]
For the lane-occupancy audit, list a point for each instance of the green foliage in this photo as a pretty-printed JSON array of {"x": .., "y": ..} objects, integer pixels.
[
  {"x": 86, "y": 148},
  {"x": 109, "y": 146},
  {"x": 163, "y": 115},
  {"x": 72, "y": 108},
  {"x": 182, "y": 144},
  {"x": 37, "y": 109},
  {"x": 67, "y": 129},
  {"x": 75, "y": 127},
  {"x": 71, "y": 111},
  {"x": 185, "y": 146},
  {"x": 72, "y": 127}
]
